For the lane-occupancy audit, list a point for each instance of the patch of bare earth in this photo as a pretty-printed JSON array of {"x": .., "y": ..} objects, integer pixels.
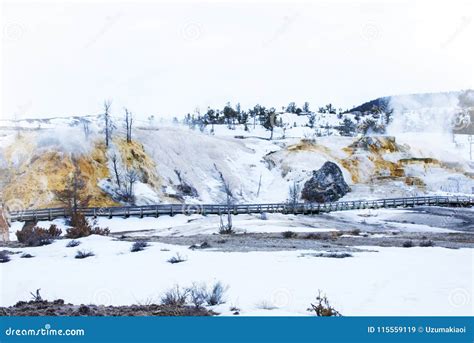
[{"x": 59, "y": 308}]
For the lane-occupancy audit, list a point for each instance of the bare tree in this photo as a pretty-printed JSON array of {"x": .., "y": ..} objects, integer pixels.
[
  {"x": 85, "y": 127},
  {"x": 128, "y": 124},
  {"x": 294, "y": 194},
  {"x": 114, "y": 160},
  {"x": 131, "y": 177},
  {"x": 108, "y": 122},
  {"x": 229, "y": 201}
]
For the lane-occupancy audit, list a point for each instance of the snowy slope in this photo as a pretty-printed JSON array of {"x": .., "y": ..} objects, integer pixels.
[{"x": 257, "y": 169}]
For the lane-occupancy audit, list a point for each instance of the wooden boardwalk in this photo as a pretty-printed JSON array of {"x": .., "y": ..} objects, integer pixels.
[{"x": 216, "y": 209}]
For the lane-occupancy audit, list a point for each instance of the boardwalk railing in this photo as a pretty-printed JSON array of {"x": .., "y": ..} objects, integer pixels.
[{"x": 205, "y": 209}]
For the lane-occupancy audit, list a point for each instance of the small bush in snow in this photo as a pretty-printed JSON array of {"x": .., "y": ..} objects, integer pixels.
[
  {"x": 4, "y": 256},
  {"x": 266, "y": 305},
  {"x": 83, "y": 254},
  {"x": 34, "y": 236},
  {"x": 176, "y": 296},
  {"x": 426, "y": 243},
  {"x": 26, "y": 255},
  {"x": 73, "y": 244},
  {"x": 407, "y": 244},
  {"x": 322, "y": 308},
  {"x": 138, "y": 246},
  {"x": 289, "y": 234},
  {"x": 176, "y": 259},
  {"x": 82, "y": 228},
  {"x": 216, "y": 295},
  {"x": 198, "y": 294},
  {"x": 355, "y": 232}
]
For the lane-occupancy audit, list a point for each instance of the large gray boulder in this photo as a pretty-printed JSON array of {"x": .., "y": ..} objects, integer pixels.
[{"x": 327, "y": 184}]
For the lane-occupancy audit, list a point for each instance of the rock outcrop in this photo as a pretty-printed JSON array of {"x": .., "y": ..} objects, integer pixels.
[{"x": 327, "y": 184}]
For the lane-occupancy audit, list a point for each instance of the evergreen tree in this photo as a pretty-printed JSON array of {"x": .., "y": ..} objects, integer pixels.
[
  {"x": 306, "y": 107},
  {"x": 291, "y": 108}
]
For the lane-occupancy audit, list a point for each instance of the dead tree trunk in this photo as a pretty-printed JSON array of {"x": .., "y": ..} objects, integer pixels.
[
  {"x": 229, "y": 198},
  {"x": 128, "y": 125},
  {"x": 107, "y": 122},
  {"x": 117, "y": 176}
]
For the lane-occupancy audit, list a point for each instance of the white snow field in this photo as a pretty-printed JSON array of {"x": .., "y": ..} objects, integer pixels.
[{"x": 381, "y": 282}]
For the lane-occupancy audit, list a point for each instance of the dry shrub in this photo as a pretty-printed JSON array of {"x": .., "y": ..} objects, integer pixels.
[
  {"x": 216, "y": 296},
  {"x": 4, "y": 256},
  {"x": 323, "y": 308},
  {"x": 83, "y": 254},
  {"x": 138, "y": 246},
  {"x": 82, "y": 228},
  {"x": 73, "y": 243},
  {"x": 176, "y": 296},
  {"x": 36, "y": 236},
  {"x": 177, "y": 259}
]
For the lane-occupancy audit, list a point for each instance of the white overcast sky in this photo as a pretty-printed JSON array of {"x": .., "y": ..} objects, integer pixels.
[{"x": 167, "y": 58}]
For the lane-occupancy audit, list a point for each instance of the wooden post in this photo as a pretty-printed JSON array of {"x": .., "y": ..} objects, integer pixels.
[{"x": 4, "y": 226}]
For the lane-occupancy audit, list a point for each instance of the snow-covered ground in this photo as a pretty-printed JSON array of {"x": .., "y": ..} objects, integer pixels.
[
  {"x": 384, "y": 218},
  {"x": 387, "y": 281},
  {"x": 182, "y": 225}
]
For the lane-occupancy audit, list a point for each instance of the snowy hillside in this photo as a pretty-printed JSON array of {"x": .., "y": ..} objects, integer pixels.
[{"x": 35, "y": 158}]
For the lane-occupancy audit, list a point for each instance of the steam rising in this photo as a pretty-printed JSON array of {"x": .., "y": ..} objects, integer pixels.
[
  {"x": 66, "y": 140},
  {"x": 433, "y": 113}
]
